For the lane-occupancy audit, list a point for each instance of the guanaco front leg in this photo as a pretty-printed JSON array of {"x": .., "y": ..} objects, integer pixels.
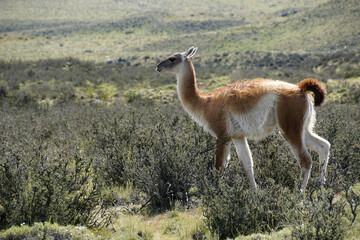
[{"x": 244, "y": 154}]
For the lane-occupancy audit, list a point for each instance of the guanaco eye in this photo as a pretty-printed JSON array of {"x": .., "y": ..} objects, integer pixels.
[{"x": 172, "y": 59}]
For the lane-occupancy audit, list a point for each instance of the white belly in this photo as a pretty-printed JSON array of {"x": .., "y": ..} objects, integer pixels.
[{"x": 257, "y": 123}]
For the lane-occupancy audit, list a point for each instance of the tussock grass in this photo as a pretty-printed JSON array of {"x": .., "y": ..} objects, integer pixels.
[
  {"x": 48, "y": 231},
  {"x": 171, "y": 225}
]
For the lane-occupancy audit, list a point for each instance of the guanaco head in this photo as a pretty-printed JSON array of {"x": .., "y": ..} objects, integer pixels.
[{"x": 173, "y": 62}]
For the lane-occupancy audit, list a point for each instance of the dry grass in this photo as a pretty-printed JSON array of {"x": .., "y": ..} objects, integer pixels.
[
  {"x": 33, "y": 30},
  {"x": 171, "y": 225}
]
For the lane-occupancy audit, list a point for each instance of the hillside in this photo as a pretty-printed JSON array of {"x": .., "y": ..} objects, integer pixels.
[{"x": 41, "y": 29}]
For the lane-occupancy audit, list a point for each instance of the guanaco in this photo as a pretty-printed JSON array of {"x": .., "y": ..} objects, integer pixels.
[{"x": 252, "y": 110}]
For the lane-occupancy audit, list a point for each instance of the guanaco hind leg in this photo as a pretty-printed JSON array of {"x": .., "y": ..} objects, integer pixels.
[
  {"x": 305, "y": 162},
  {"x": 322, "y": 147}
]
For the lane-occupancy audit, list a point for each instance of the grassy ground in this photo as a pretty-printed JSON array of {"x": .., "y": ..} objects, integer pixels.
[
  {"x": 188, "y": 224},
  {"x": 170, "y": 225},
  {"x": 93, "y": 30}
]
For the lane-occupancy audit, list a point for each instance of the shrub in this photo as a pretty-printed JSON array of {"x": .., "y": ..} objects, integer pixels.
[
  {"x": 3, "y": 91},
  {"x": 158, "y": 154},
  {"x": 166, "y": 162},
  {"x": 232, "y": 209},
  {"x": 320, "y": 213},
  {"x": 320, "y": 216},
  {"x": 339, "y": 124},
  {"x": 274, "y": 163},
  {"x": 45, "y": 175}
]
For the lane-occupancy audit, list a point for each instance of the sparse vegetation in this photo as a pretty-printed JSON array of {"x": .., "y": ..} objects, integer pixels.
[
  {"x": 48, "y": 231},
  {"x": 92, "y": 138}
]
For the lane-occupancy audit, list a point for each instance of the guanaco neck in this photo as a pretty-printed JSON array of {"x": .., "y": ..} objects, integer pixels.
[{"x": 188, "y": 92}]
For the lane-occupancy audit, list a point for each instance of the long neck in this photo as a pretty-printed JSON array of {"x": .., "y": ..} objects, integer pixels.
[{"x": 188, "y": 92}]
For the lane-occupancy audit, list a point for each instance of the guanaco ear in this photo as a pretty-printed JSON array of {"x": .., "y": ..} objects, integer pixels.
[{"x": 190, "y": 52}]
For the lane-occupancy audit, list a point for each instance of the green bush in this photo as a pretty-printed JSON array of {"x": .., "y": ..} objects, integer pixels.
[
  {"x": 339, "y": 124},
  {"x": 232, "y": 208},
  {"x": 320, "y": 216},
  {"x": 157, "y": 151},
  {"x": 274, "y": 163},
  {"x": 61, "y": 80},
  {"x": 166, "y": 161},
  {"x": 45, "y": 173}
]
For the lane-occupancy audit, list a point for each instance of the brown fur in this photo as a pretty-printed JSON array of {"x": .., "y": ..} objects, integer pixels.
[
  {"x": 291, "y": 110},
  {"x": 220, "y": 155},
  {"x": 314, "y": 86},
  {"x": 239, "y": 97}
]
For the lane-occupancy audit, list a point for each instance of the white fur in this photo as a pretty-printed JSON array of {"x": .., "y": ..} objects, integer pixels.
[
  {"x": 244, "y": 154},
  {"x": 196, "y": 116},
  {"x": 314, "y": 142},
  {"x": 258, "y": 123}
]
